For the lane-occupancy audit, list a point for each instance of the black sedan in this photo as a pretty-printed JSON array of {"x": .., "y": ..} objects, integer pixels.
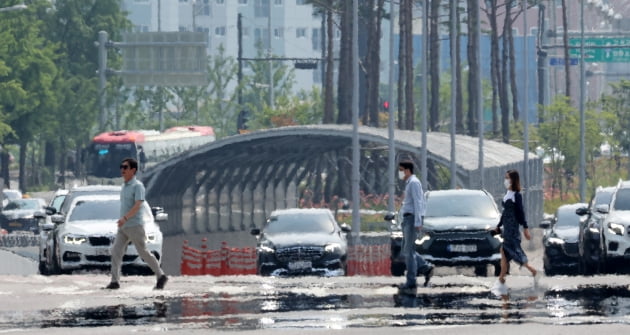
[
  {"x": 23, "y": 215},
  {"x": 301, "y": 241},
  {"x": 457, "y": 232},
  {"x": 560, "y": 241}
]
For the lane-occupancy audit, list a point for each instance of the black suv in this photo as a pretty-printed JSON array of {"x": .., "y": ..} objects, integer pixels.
[
  {"x": 457, "y": 231},
  {"x": 561, "y": 241},
  {"x": 590, "y": 230}
]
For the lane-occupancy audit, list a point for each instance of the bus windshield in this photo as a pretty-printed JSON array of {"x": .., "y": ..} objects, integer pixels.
[{"x": 103, "y": 158}]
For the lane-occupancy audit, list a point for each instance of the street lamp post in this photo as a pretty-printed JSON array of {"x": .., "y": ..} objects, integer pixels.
[{"x": 582, "y": 113}]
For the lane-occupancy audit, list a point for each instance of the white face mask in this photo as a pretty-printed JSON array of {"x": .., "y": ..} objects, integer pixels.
[
  {"x": 507, "y": 183},
  {"x": 401, "y": 174}
]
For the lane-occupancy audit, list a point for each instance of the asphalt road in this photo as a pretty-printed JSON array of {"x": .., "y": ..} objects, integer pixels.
[{"x": 72, "y": 304}]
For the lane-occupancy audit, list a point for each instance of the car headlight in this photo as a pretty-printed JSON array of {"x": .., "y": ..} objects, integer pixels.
[
  {"x": 74, "y": 239},
  {"x": 396, "y": 235},
  {"x": 266, "y": 247},
  {"x": 555, "y": 240},
  {"x": 616, "y": 228},
  {"x": 424, "y": 238},
  {"x": 332, "y": 248}
]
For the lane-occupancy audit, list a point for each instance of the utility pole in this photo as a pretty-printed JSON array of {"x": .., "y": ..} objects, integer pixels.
[
  {"x": 479, "y": 92},
  {"x": 391, "y": 168},
  {"x": 425, "y": 94},
  {"x": 582, "y": 114},
  {"x": 270, "y": 34},
  {"x": 239, "y": 90},
  {"x": 356, "y": 158},
  {"x": 453, "y": 167},
  {"x": 543, "y": 75},
  {"x": 525, "y": 100},
  {"x": 102, "y": 79}
]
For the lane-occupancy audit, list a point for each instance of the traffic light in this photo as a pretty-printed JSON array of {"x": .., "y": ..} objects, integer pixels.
[
  {"x": 386, "y": 105},
  {"x": 241, "y": 121}
]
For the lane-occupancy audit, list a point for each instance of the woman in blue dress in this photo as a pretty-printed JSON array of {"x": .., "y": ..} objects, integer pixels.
[{"x": 512, "y": 218}]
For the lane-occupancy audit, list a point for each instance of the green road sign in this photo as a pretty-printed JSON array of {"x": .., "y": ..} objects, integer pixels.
[{"x": 603, "y": 50}]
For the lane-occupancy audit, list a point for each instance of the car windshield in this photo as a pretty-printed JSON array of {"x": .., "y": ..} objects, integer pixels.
[
  {"x": 12, "y": 194},
  {"x": 622, "y": 200},
  {"x": 465, "y": 204},
  {"x": 96, "y": 210},
  {"x": 22, "y": 204},
  {"x": 56, "y": 203},
  {"x": 566, "y": 217},
  {"x": 603, "y": 198},
  {"x": 299, "y": 223}
]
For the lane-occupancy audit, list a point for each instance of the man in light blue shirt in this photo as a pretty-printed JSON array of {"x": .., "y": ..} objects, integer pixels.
[
  {"x": 412, "y": 213},
  {"x": 131, "y": 226}
]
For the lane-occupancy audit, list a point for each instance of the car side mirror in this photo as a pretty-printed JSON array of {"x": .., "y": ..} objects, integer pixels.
[
  {"x": 603, "y": 209},
  {"x": 545, "y": 224},
  {"x": 57, "y": 218},
  {"x": 390, "y": 216},
  {"x": 345, "y": 228},
  {"x": 50, "y": 210},
  {"x": 582, "y": 211},
  {"x": 39, "y": 215},
  {"x": 47, "y": 226},
  {"x": 255, "y": 231},
  {"x": 157, "y": 210}
]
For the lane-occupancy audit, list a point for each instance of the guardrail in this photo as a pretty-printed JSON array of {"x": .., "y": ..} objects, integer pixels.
[{"x": 19, "y": 240}]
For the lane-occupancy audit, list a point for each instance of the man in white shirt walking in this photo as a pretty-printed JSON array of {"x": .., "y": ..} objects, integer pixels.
[{"x": 412, "y": 212}]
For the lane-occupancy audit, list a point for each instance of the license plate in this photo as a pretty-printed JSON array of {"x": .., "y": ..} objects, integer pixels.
[
  {"x": 462, "y": 248},
  {"x": 300, "y": 265},
  {"x": 15, "y": 224},
  {"x": 101, "y": 252}
]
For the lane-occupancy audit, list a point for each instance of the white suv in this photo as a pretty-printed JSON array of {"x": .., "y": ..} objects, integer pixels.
[{"x": 615, "y": 229}]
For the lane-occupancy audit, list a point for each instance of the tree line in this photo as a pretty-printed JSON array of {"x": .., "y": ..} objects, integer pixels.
[{"x": 49, "y": 89}]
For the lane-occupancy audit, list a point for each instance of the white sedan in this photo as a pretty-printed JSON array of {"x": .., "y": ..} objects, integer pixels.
[{"x": 83, "y": 238}]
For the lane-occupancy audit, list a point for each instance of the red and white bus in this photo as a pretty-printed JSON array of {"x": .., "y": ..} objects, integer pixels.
[{"x": 108, "y": 149}]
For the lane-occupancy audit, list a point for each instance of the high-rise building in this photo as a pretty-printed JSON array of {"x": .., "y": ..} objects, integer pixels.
[{"x": 295, "y": 30}]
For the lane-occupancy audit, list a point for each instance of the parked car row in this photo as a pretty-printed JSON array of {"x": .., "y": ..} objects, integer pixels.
[{"x": 590, "y": 238}]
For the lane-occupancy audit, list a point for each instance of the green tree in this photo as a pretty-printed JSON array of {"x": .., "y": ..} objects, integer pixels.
[
  {"x": 256, "y": 84},
  {"x": 151, "y": 108},
  {"x": 301, "y": 109},
  {"x": 559, "y": 138},
  {"x": 616, "y": 115},
  {"x": 73, "y": 26},
  {"x": 326, "y": 9},
  {"x": 220, "y": 109},
  {"x": 29, "y": 60}
]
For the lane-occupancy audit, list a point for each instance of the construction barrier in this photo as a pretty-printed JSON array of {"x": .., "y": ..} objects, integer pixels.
[
  {"x": 369, "y": 260},
  {"x": 221, "y": 262},
  {"x": 191, "y": 264},
  {"x": 362, "y": 260}
]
